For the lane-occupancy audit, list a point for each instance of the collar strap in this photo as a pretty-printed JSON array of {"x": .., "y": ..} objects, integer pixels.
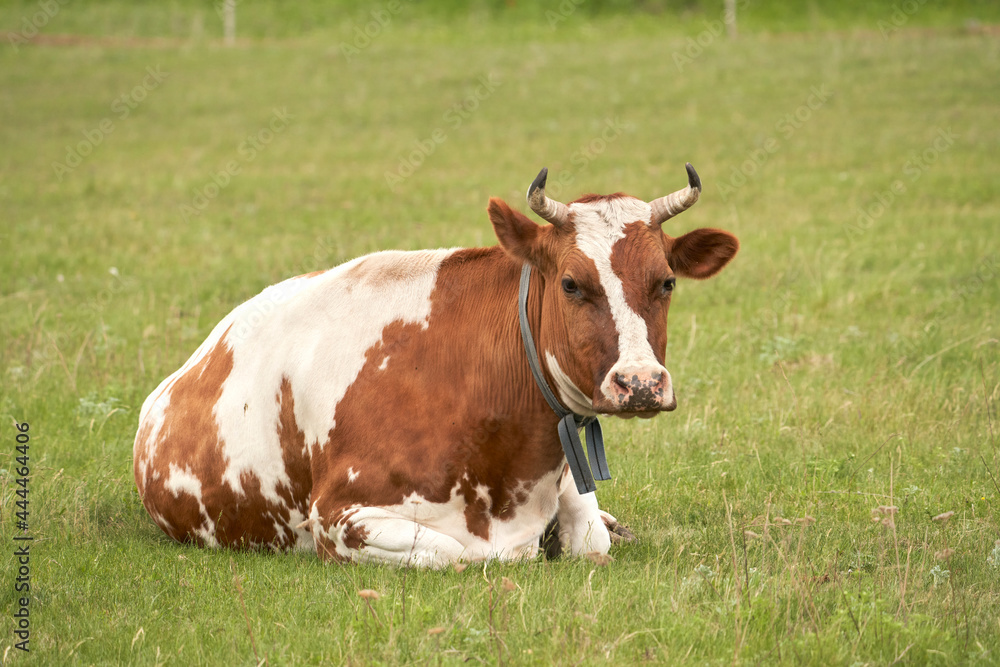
[{"x": 570, "y": 423}]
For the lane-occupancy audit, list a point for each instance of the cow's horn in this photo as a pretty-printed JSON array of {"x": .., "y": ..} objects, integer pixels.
[
  {"x": 548, "y": 209},
  {"x": 667, "y": 207}
]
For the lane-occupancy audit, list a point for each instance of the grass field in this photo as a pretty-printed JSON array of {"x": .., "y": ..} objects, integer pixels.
[{"x": 846, "y": 361}]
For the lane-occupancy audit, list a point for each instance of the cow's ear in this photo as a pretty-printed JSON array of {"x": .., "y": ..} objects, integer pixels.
[
  {"x": 702, "y": 253},
  {"x": 518, "y": 235}
]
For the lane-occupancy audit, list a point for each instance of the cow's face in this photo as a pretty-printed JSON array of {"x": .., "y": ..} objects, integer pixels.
[{"x": 607, "y": 273}]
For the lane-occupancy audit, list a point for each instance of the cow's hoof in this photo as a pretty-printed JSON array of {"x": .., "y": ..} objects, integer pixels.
[{"x": 620, "y": 534}]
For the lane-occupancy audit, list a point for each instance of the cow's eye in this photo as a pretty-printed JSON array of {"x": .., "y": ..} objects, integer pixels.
[
  {"x": 668, "y": 286},
  {"x": 570, "y": 287}
]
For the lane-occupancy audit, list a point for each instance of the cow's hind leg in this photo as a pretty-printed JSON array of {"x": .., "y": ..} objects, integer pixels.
[{"x": 373, "y": 534}]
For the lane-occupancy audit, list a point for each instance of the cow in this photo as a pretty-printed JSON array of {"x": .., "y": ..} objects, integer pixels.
[{"x": 385, "y": 410}]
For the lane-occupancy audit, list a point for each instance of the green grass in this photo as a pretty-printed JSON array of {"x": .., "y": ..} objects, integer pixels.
[{"x": 843, "y": 362}]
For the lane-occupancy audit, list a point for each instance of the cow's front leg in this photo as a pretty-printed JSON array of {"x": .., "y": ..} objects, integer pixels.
[
  {"x": 373, "y": 534},
  {"x": 582, "y": 527},
  {"x": 579, "y": 522}
]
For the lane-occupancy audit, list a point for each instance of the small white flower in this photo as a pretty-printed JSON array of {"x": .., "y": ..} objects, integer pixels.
[
  {"x": 994, "y": 557},
  {"x": 940, "y": 576}
]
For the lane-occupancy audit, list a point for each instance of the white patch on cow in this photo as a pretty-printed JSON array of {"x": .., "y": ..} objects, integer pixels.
[
  {"x": 318, "y": 338},
  {"x": 396, "y": 539},
  {"x": 312, "y": 523},
  {"x": 570, "y": 395},
  {"x": 303, "y": 538},
  {"x": 599, "y": 225},
  {"x": 183, "y": 481},
  {"x": 483, "y": 494},
  {"x": 385, "y": 362},
  {"x": 418, "y": 532},
  {"x": 352, "y": 475}
]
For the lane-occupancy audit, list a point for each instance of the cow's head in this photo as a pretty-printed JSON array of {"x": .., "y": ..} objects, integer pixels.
[{"x": 608, "y": 271}]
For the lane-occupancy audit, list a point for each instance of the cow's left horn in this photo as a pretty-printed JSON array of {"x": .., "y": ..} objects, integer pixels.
[
  {"x": 548, "y": 209},
  {"x": 667, "y": 207}
]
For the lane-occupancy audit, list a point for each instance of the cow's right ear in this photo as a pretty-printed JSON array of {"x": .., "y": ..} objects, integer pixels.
[{"x": 518, "y": 235}]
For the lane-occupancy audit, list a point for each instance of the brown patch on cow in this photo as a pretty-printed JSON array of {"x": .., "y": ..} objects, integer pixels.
[
  {"x": 326, "y": 549},
  {"x": 354, "y": 536},
  {"x": 188, "y": 428},
  {"x": 379, "y": 269},
  {"x": 432, "y": 425},
  {"x": 592, "y": 198},
  {"x": 477, "y": 510},
  {"x": 313, "y": 274},
  {"x": 344, "y": 515},
  {"x": 190, "y": 441},
  {"x": 294, "y": 453}
]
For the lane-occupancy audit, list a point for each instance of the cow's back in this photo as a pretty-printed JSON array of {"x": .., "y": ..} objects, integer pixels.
[{"x": 225, "y": 445}]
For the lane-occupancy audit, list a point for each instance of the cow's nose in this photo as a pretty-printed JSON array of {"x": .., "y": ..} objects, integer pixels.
[
  {"x": 641, "y": 389},
  {"x": 621, "y": 384},
  {"x": 629, "y": 385}
]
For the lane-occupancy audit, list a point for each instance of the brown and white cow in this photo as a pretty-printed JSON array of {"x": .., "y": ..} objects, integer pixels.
[{"x": 384, "y": 410}]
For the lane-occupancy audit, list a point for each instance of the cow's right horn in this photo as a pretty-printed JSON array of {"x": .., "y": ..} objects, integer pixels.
[{"x": 548, "y": 209}]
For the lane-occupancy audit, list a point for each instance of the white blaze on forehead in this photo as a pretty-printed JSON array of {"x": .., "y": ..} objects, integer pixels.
[{"x": 599, "y": 225}]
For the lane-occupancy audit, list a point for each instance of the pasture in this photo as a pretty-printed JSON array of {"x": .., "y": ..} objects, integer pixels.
[{"x": 837, "y": 383}]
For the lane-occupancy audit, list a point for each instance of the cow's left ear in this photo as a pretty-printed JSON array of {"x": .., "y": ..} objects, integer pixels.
[
  {"x": 518, "y": 235},
  {"x": 702, "y": 253}
]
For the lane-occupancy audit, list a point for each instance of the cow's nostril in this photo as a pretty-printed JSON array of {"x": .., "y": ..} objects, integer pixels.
[
  {"x": 657, "y": 378},
  {"x": 621, "y": 383}
]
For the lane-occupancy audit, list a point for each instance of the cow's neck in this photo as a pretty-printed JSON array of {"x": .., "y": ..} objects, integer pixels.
[
  {"x": 569, "y": 422},
  {"x": 478, "y": 289}
]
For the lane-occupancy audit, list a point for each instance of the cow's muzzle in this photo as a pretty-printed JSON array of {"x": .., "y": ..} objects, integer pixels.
[{"x": 639, "y": 391}]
